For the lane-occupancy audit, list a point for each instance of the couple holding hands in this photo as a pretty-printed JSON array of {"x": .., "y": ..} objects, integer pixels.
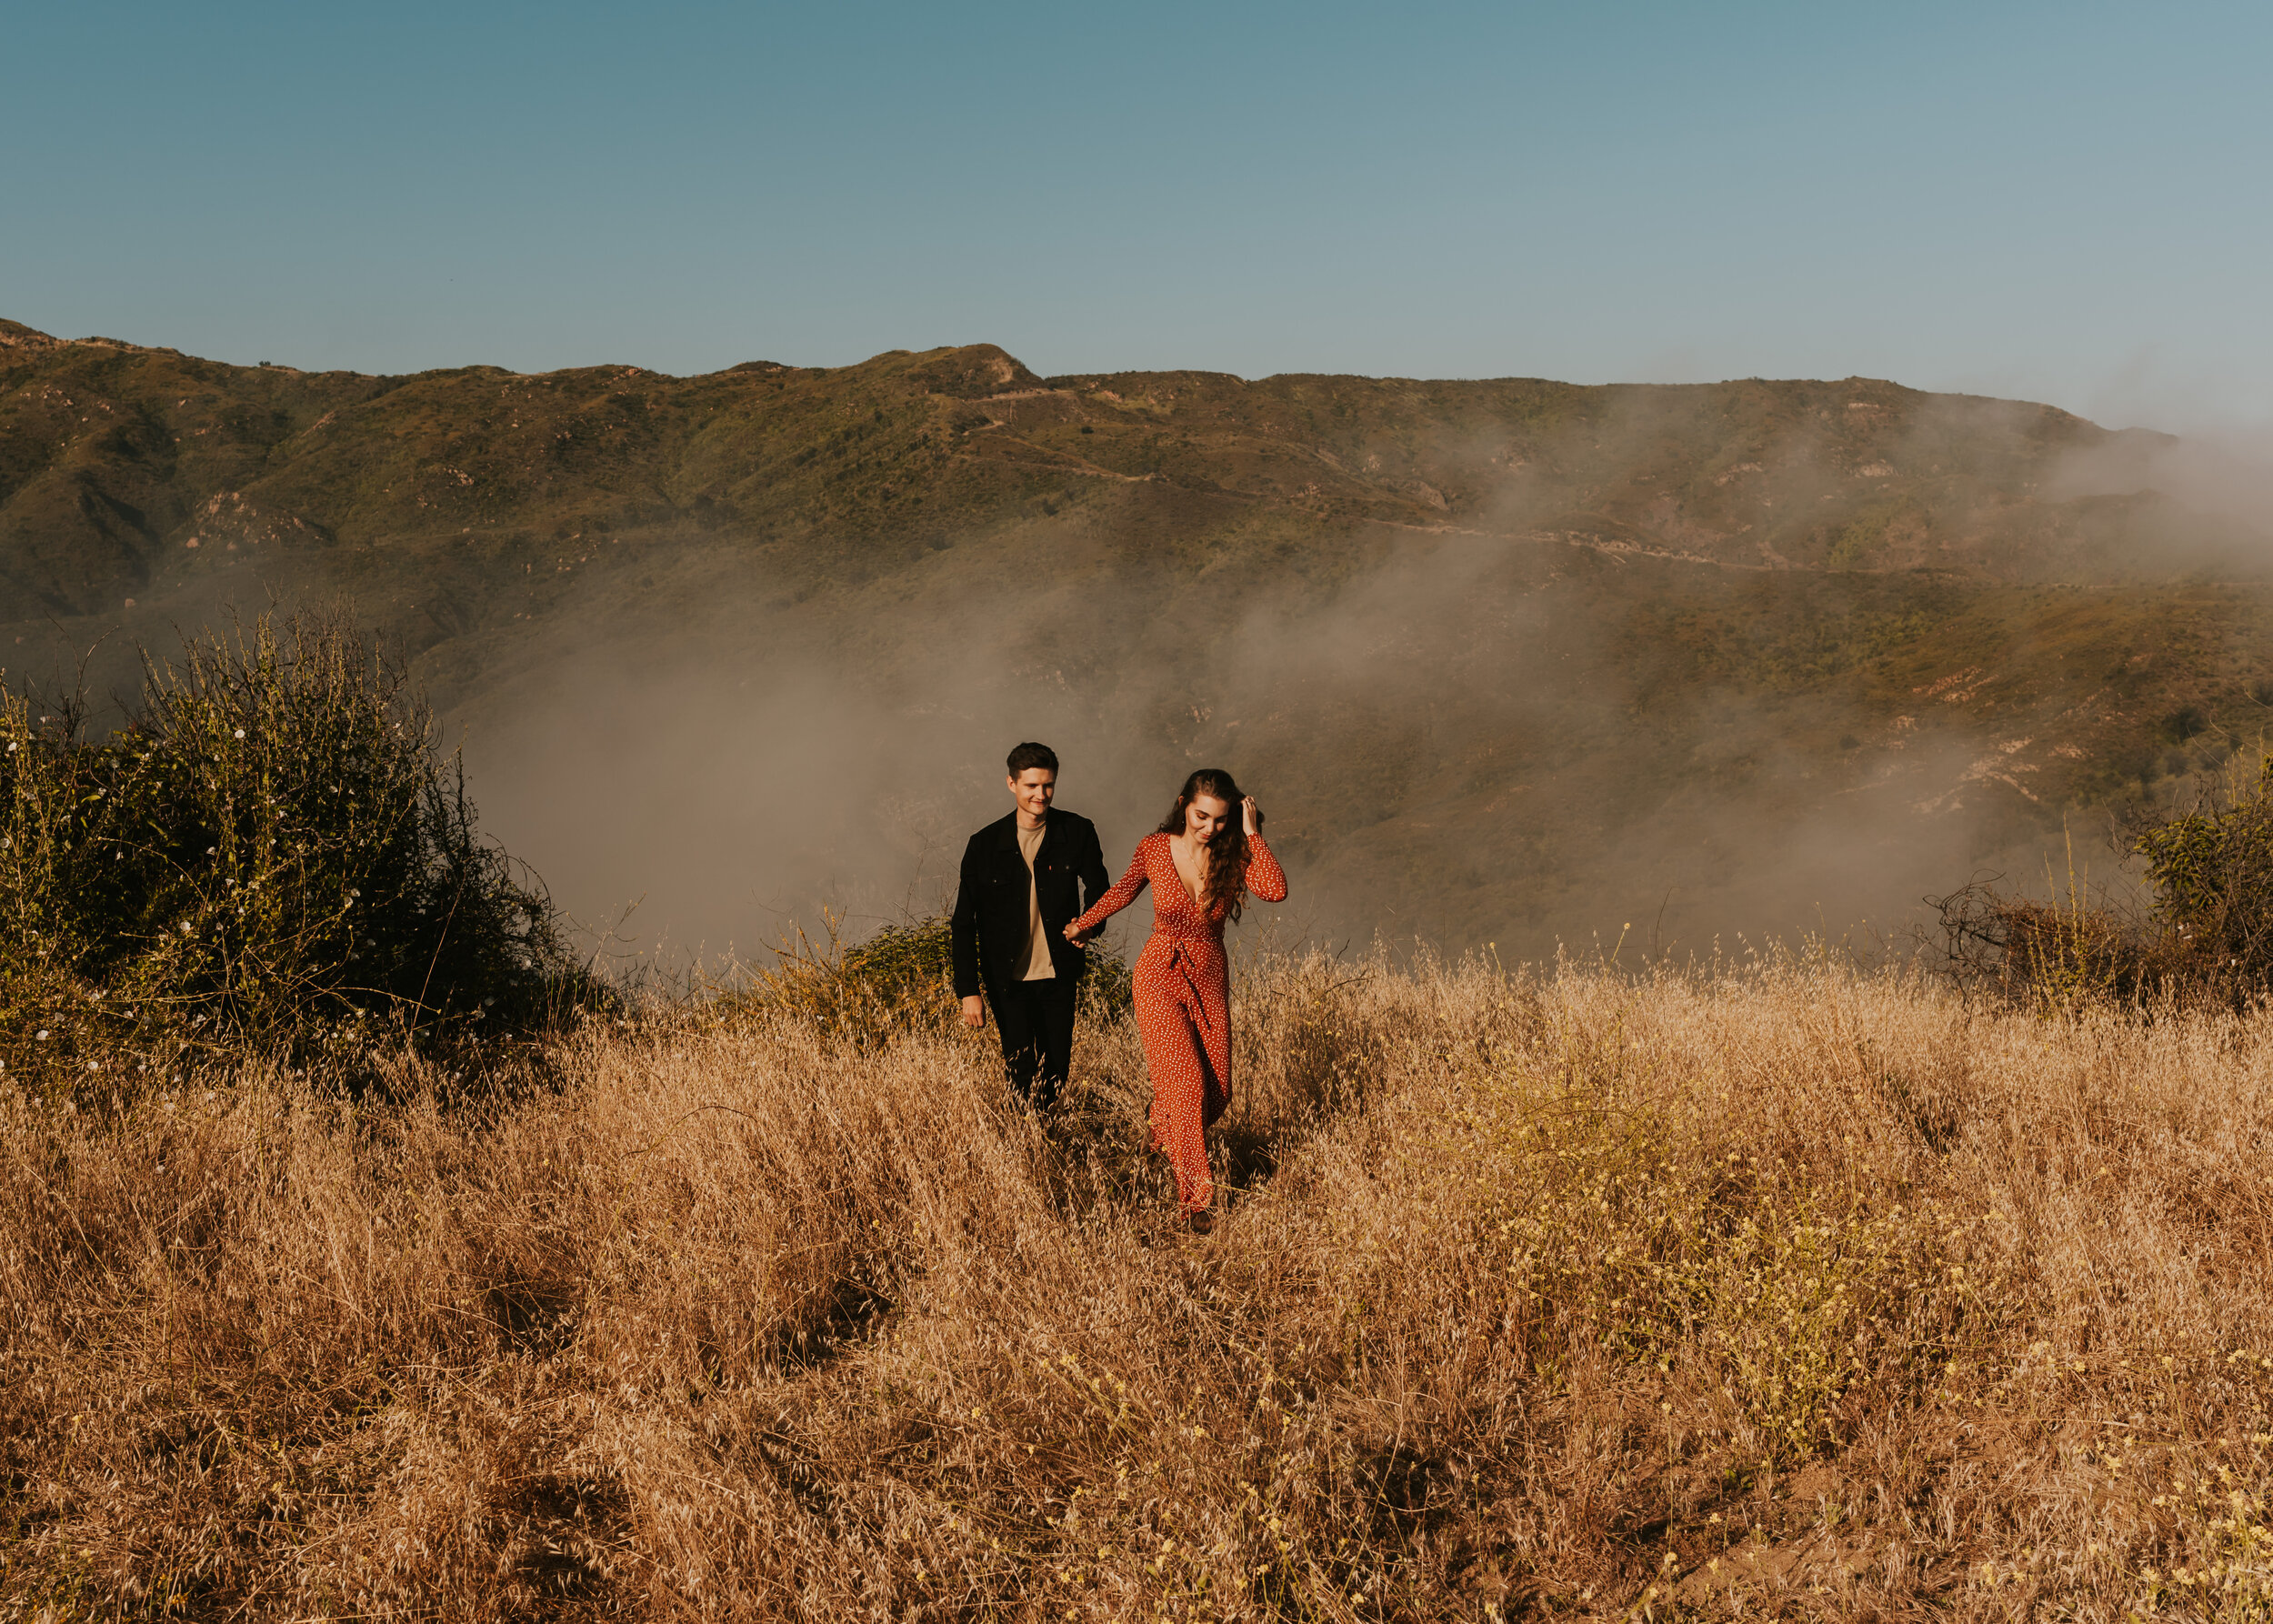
[{"x": 1015, "y": 933}]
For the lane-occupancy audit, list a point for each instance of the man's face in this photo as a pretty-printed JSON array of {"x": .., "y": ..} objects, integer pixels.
[{"x": 1033, "y": 790}]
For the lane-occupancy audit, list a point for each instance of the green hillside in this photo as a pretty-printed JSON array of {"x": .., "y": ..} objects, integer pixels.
[{"x": 1510, "y": 660}]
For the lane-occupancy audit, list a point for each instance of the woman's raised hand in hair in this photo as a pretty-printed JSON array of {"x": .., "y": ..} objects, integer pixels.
[{"x": 1250, "y": 816}]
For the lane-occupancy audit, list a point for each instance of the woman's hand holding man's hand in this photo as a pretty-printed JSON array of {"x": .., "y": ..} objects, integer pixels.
[{"x": 1077, "y": 937}]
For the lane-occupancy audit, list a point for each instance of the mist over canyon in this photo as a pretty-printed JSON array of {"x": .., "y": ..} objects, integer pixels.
[{"x": 1507, "y": 661}]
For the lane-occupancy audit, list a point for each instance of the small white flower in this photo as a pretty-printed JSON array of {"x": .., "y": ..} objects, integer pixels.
[
  {"x": 240, "y": 732},
  {"x": 42, "y": 1035}
]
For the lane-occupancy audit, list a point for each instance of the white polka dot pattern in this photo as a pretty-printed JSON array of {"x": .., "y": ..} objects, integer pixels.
[{"x": 1182, "y": 983}]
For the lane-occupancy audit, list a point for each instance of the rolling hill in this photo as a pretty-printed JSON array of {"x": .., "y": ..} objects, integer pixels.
[{"x": 1508, "y": 660}]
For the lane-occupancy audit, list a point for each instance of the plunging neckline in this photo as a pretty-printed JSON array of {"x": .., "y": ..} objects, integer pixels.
[{"x": 1181, "y": 883}]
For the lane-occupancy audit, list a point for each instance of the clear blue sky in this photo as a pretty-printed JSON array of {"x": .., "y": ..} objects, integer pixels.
[{"x": 2068, "y": 201}]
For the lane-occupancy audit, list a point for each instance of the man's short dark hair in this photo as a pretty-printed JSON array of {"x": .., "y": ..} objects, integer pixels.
[{"x": 1032, "y": 754}]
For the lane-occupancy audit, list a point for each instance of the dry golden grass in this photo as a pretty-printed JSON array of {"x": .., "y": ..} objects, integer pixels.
[{"x": 1789, "y": 1291}]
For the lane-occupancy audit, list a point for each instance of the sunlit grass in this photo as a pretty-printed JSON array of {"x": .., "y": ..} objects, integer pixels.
[{"x": 1789, "y": 1290}]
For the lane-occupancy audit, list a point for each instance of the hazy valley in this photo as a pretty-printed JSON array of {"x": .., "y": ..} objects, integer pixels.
[
  {"x": 1508, "y": 660},
  {"x": 378, "y": 1259}
]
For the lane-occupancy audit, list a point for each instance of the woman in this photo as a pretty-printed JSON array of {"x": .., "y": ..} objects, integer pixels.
[{"x": 1201, "y": 864}]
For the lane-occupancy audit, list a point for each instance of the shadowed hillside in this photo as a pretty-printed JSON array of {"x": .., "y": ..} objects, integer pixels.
[{"x": 1509, "y": 659}]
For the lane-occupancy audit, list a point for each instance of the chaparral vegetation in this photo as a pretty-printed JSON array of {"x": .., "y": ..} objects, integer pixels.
[
  {"x": 1771, "y": 1288},
  {"x": 362, "y": 1255},
  {"x": 272, "y": 850}
]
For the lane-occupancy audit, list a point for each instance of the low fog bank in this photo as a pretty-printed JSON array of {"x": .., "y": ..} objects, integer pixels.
[
  {"x": 2225, "y": 471},
  {"x": 1599, "y": 673},
  {"x": 1461, "y": 744},
  {"x": 706, "y": 805},
  {"x": 2215, "y": 488}
]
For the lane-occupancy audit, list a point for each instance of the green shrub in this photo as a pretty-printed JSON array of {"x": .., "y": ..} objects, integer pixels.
[
  {"x": 901, "y": 977},
  {"x": 2212, "y": 870},
  {"x": 2206, "y": 941},
  {"x": 273, "y": 851},
  {"x": 2060, "y": 954}
]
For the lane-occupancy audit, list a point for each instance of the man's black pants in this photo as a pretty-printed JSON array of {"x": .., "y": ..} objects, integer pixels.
[{"x": 1036, "y": 1019}]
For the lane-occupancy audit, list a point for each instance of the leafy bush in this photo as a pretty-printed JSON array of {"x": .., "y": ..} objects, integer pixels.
[
  {"x": 2206, "y": 939},
  {"x": 901, "y": 978},
  {"x": 2212, "y": 870},
  {"x": 273, "y": 851}
]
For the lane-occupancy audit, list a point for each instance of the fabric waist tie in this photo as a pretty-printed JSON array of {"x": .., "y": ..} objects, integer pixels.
[{"x": 1180, "y": 955}]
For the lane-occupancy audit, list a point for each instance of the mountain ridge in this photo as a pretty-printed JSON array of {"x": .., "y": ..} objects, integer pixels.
[
  {"x": 133, "y": 498},
  {"x": 1511, "y": 638}
]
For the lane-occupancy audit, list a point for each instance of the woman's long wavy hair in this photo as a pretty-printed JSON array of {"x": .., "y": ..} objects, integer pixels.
[{"x": 1226, "y": 881}]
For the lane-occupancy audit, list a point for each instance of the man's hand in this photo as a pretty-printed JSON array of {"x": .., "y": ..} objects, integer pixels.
[
  {"x": 974, "y": 1012},
  {"x": 1079, "y": 937}
]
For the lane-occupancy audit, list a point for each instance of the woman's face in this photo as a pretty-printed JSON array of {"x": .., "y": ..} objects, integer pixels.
[{"x": 1205, "y": 818}]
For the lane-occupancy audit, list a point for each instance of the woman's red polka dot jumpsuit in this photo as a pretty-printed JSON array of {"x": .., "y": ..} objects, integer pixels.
[{"x": 1183, "y": 994}]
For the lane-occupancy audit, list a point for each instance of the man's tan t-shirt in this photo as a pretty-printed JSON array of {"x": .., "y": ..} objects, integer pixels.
[{"x": 1038, "y": 966}]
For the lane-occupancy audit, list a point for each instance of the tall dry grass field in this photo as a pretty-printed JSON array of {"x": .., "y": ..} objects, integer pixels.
[{"x": 1786, "y": 1291}]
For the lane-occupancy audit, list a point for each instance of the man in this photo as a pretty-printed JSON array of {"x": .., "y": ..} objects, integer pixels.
[{"x": 1016, "y": 896}]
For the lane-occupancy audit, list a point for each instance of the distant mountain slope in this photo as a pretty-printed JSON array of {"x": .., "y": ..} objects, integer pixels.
[
  {"x": 117, "y": 463},
  {"x": 1515, "y": 656}
]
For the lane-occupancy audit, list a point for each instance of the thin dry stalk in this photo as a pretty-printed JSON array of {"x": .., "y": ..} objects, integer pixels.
[{"x": 1795, "y": 1291}]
